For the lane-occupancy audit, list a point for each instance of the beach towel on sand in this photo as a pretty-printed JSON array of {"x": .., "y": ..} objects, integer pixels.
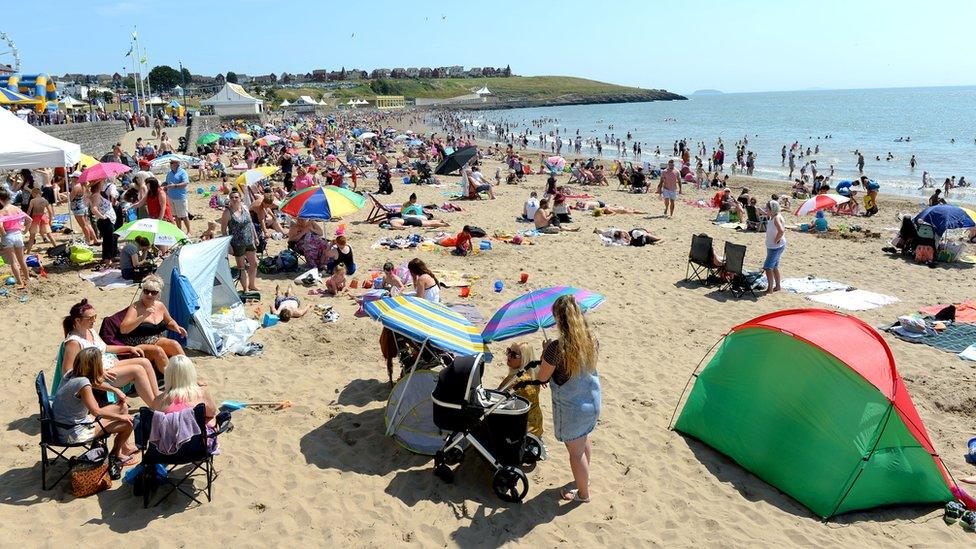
[
  {"x": 454, "y": 279},
  {"x": 969, "y": 353},
  {"x": 956, "y": 338},
  {"x": 810, "y": 285},
  {"x": 965, "y": 311},
  {"x": 108, "y": 279},
  {"x": 855, "y": 300}
]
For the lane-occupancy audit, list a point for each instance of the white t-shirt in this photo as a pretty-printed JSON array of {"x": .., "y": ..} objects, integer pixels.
[
  {"x": 531, "y": 205},
  {"x": 771, "y": 232}
]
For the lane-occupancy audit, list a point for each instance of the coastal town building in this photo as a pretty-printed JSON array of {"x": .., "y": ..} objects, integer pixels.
[{"x": 390, "y": 102}]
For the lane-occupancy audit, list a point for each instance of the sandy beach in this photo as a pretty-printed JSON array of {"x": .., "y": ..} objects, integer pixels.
[{"x": 323, "y": 473}]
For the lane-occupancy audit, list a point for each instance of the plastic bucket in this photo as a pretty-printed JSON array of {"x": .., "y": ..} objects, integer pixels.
[{"x": 269, "y": 320}]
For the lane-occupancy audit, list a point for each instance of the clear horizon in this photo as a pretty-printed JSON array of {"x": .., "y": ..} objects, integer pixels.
[{"x": 758, "y": 47}]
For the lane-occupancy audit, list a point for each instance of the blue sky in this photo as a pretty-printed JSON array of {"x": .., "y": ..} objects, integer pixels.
[{"x": 749, "y": 45}]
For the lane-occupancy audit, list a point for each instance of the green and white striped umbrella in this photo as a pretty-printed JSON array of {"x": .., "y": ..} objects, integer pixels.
[{"x": 159, "y": 232}]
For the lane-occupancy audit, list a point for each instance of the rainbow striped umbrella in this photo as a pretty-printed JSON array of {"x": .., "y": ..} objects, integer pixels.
[
  {"x": 323, "y": 203},
  {"x": 533, "y": 311},
  {"x": 421, "y": 320}
]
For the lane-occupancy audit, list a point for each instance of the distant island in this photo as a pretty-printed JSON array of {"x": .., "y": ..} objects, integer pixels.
[
  {"x": 504, "y": 92},
  {"x": 707, "y": 92}
]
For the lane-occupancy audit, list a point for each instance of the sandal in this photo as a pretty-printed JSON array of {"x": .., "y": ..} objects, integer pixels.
[
  {"x": 114, "y": 468},
  {"x": 572, "y": 496}
]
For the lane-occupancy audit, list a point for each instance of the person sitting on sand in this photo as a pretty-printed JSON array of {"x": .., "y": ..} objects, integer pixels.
[
  {"x": 336, "y": 283},
  {"x": 530, "y": 206},
  {"x": 546, "y": 223},
  {"x": 462, "y": 242},
  {"x": 341, "y": 252},
  {"x": 79, "y": 416},
  {"x": 425, "y": 284},
  {"x": 519, "y": 356},
  {"x": 936, "y": 198},
  {"x": 410, "y": 207},
  {"x": 560, "y": 208},
  {"x": 287, "y": 306},
  {"x": 729, "y": 204},
  {"x": 134, "y": 259},
  {"x": 391, "y": 281}
]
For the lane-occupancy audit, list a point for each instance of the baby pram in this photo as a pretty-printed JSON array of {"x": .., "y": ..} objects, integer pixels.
[{"x": 494, "y": 423}]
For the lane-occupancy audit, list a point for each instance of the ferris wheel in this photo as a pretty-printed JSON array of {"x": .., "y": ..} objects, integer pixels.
[{"x": 9, "y": 55}]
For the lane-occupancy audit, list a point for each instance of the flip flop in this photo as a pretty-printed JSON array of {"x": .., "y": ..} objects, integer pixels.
[{"x": 572, "y": 496}]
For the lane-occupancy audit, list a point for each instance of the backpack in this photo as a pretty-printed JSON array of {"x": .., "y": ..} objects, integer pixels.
[
  {"x": 268, "y": 265},
  {"x": 926, "y": 231},
  {"x": 287, "y": 261}
]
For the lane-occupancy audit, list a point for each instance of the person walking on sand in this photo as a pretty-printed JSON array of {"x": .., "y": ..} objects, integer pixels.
[
  {"x": 775, "y": 246},
  {"x": 670, "y": 188},
  {"x": 570, "y": 363}
]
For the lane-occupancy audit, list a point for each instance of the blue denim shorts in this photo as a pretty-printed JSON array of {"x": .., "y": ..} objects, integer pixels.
[{"x": 772, "y": 257}]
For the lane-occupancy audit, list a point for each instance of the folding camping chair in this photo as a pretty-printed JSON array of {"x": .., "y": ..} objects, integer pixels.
[
  {"x": 52, "y": 441},
  {"x": 738, "y": 281},
  {"x": 755, "y": 221},
  {"x": 378, "y": 212},
  {"x": 195, "y": 452},
  {"x": 701, "y": 264}
]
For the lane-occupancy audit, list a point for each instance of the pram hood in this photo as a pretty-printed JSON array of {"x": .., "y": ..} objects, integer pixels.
[{"x": 458, "y": 383}]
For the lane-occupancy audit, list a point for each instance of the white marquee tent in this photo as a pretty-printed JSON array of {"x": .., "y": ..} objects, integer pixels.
[
  {"x": 232, "y": 99},
  {"x": 24, "y": 146}
]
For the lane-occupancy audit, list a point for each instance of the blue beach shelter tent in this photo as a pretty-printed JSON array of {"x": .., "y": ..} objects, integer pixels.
[{"x": 201, "y": 296}]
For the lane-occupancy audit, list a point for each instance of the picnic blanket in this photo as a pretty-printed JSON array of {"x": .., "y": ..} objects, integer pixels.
[
  {"x": 454, "y": 279},
  {"x": 810, "y": 285},
  {"x": 730, "y": 225},
  {"x": 855, "y": 300},
  {"x": 958, "y": 337},
  {"x": 969, "y": 353},
  {"x": 108, "y": 279},
  {"x": 965, "y": 311}
]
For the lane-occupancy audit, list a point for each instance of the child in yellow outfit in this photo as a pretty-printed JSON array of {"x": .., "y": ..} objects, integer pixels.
[{"x": 518, "y": 355}]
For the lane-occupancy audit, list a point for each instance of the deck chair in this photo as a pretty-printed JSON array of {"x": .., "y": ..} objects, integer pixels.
[
  {"x": 738, "y": 281},
  {"x": 195, "y": 452},
  {"x": 378, "y": 212},
  {"x": 102, "y": 398},
  {"x": 576, "y": 177},
  {"x": 701, "y": 266},
  {"x": 755, "y": 221},
  {"x": 51, "y": 440}
]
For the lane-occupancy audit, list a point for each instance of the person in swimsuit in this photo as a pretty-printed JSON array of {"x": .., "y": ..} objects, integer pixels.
[
  {"x": 146, "y": 322},
  {"x": 425, "y": 284},
  {"x": 264, "y": 218},
  {"x": 12, "y": 239},
  {"x": 336, "y": 283},
  {"x": 287, "y": 306},
  {"x": 546, "y": 223},
  {"x": 341, "y": 253},
  {"x": 78, "y": 204},
  {"x": 155, "y": 202},
  {"x": 41, "y": 212},
  {"x": 79, "y": 333},
  {"x": 243, "y": 240}
]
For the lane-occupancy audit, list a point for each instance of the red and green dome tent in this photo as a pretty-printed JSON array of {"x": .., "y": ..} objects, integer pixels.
[{"x": 810, "y": 401}]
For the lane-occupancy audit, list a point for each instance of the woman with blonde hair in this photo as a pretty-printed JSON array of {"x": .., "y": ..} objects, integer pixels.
[
  {"x": 183, "y": 389},
  {"x": 570, "y": 363},
  {"x": 518, "y": 356},
  {"x": 78, "y": 414}
]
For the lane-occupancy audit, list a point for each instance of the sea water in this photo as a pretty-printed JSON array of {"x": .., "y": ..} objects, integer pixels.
[{"x": 868, "y": 120}]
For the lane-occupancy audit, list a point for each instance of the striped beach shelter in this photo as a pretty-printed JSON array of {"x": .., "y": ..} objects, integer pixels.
[
  {"x": 427, "y": 323},
  {"x": 409, "y": 414}
]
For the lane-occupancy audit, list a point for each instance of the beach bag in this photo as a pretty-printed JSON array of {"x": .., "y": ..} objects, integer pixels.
[
  {"x": 80, "y": 255},
  {"x": 61, "y": 250},
  {"x": 924, "y": 254},
  {"x": 287, "y": 261},
  {"x": 268, "y": 265},
  {"x": 477, "y": 232},
  {"x": 89, "y": 478}
]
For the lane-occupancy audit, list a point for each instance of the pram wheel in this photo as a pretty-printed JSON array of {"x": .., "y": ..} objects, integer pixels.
[
  {"x": 533, "y": 451},
  {"x": 510, "y": 484}
]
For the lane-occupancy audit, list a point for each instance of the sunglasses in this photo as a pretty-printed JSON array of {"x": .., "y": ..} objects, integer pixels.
[
  {"x": 92, "y": 316},
  {"x": 513, "y": 354},
  {"x": 151, "y": 292}
]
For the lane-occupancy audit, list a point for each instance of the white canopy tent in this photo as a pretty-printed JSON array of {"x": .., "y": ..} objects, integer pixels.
[
  {"x": 232, "y": 99},
  {"x": 71, "y": 103},
  {"x": 284, "y": 103},
  {"x": 155, "y": 100},
  {"x": 483, "y": 91},
  {"x": 306, "y": 100},
  {"x": 24, "y": 146}
]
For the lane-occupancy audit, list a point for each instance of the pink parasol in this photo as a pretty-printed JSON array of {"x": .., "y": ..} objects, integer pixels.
[{"x": 103, "y": 170}]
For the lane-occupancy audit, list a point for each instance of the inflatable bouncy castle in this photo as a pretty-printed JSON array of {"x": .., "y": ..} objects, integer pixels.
[{"x": 37, "y": 86}]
